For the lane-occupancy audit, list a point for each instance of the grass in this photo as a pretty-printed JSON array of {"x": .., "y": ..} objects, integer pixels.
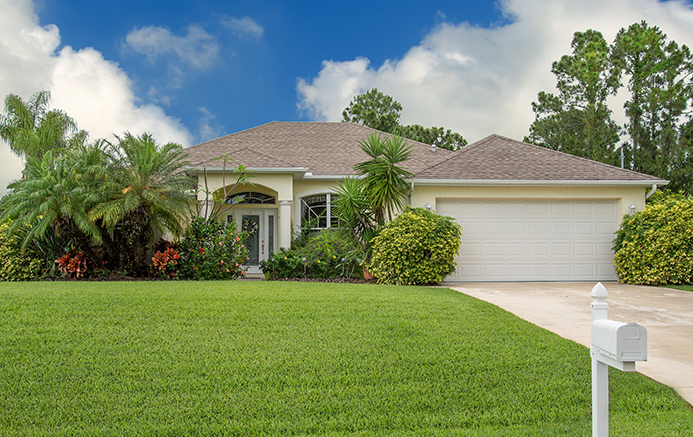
[
  {"x": 681, "y": 287},
  {"x": 277, "y": 358}
]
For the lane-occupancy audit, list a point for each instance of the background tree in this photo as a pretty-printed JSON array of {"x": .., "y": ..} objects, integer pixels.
[
  {"x": 374, "y": 109},
  {"x": 659, "y": 82},
  {"x": 31, "y": 129},
  {"x": 577, "y": 120},
  {"x": 380, "y": 111}
]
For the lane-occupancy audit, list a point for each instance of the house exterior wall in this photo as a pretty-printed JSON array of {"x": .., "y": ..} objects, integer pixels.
[{"x": 423, "y": 194}]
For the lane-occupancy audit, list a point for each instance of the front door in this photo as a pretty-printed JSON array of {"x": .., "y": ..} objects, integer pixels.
[{"x": 260, "y": 224}]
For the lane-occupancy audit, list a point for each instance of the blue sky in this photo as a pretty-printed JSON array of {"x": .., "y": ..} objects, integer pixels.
[
  {"x": 192, "y": 71},
  {"x": 253, "y": 78}
]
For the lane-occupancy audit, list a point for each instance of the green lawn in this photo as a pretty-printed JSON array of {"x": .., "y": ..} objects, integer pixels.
[
  {"x": 282, "y": 358},
  {"x": 681, "y": 287}
]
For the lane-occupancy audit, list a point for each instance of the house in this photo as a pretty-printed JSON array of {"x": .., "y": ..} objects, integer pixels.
[{"x": 528, "y": 213}]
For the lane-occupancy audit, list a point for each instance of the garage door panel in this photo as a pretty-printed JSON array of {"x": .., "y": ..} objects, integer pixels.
[
  {"x": 494, "y": 249},
  {"x": 561, "y": 208},
  {"x": 539, "y": 228},
  {"x": 531, "y": 240},
  {"x": 516, "y": 229},
  {"x": 560, "y": 228}
]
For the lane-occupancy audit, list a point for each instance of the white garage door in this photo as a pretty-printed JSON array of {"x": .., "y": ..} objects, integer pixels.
[{"x": 515, "y": 240}]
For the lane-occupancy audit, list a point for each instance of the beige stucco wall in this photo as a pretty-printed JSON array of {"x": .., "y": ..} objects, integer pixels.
[
  {"x": 280, "y": 184},
  {"x": 624, "y": 195}
]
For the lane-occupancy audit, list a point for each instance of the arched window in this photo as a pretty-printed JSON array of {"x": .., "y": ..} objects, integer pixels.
[
  {"x": 251, "y": 198},
  {"x": 316, "y": 211}
]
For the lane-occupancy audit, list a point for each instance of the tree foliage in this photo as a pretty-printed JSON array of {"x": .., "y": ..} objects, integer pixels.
[
  {"x": 380, "y": 111},
  {"x": 31, "y": 129},
  {"x": 659, "y": 81},
  {"x": 577, "y": 120},
  {"x": 657, "y": 74}
]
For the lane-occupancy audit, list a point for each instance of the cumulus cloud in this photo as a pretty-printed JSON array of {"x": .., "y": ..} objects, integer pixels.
[
  {"x": 245, "y": 26},
  {"x": 94, "y": 91},
  {"x": 197, "y": 48},
  {"x": 480, "y": 81}
]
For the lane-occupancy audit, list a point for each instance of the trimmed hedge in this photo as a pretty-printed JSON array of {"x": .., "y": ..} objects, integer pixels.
[
  {"x": 655, "y": 246},
  {"x": 417, "y": 247}
]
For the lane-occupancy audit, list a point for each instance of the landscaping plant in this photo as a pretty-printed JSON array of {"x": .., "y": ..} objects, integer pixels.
[
  {"x": 417, "y": 247},
  {"x": 211, "y": 249},
  {"x": 16, "y": 265},
  {"x": 655, "y": 246}
]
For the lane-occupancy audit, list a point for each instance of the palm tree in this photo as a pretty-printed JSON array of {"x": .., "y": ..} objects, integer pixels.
[
  {"x": 31, "y": 129},
  {"x": 147, "y": 191},
  {"x": 55, "y": 195},
  {"x": 384, "y": 180}
]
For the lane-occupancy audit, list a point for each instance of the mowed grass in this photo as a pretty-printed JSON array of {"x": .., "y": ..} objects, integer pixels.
[
  {"x": 688, "y": 287},
  {"x": 275, "y": 358}
]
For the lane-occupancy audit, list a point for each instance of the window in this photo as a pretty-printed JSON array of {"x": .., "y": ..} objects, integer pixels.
[
  {"x": 316, "y": 211},
  {"x": 250, "y": 198}
]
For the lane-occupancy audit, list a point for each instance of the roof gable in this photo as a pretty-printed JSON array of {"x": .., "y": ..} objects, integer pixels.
[{"x": 499, "y": 158}]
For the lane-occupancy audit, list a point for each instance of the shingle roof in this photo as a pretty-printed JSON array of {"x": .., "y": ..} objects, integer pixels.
[
  {"x": 332, "y": 149},
  {"x": 499, "y": 158},
  {"x": 323, "y": 148}
]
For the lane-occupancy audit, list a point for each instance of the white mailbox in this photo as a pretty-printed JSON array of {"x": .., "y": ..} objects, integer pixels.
[{"x": 619, "y": 342}]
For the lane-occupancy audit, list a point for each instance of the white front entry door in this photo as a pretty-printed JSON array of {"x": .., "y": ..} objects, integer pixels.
[{"x": 261, "y": 227}]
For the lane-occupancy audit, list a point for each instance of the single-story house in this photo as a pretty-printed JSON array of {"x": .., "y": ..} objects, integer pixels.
[{"x": 527, "y": 213}]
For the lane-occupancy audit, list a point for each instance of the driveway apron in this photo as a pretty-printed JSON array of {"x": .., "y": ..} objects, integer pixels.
[{"x": 564, "y": 308}]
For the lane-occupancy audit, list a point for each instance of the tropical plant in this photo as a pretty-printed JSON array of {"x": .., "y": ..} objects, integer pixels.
[
  {"x": 53, "y": 198},
  {"x": 165, "y": 264},
  {"x": 215, "y": 201},
  {"x": 16, "y": 265},
  {"x": 418, "y": 247},
  {"x": 211, "y": 249},
  {"x": 31, "y": 129},
  {"x": 145, "y": 191},
  {"x": 384, "y": 181}
]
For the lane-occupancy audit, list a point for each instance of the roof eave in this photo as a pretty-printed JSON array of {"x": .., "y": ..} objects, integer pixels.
[{"x": 540, "y": 183}]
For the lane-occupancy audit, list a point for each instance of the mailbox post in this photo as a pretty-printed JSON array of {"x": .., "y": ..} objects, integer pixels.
[{"x": 614, "y": 344}]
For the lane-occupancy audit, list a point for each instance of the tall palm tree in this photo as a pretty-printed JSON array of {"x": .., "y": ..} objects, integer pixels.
[
  {"x": 147, "y": 191},
  {"x": 31, "y": 129},
  {"x": 384, "y": 179}
]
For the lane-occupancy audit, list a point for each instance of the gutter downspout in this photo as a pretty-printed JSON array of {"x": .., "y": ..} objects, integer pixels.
[
  {"x": 409, "y": 192},
  {"x": 647, "y": 196}
]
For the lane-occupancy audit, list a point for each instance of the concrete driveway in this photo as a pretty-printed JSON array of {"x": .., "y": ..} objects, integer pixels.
[{"x": 564, "y": 308}]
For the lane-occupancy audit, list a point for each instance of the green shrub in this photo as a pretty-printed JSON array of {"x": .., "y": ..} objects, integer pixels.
[
  {"x": 323, "y": 255},
  {"x": 655, "y": 246},
  {"x": 15, "y": 265},
  {"x": 212, "y": 250},
  {"x": 418, "y": 247}
]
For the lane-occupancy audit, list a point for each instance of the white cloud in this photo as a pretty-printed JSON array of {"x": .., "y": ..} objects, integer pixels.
[
  {"x": 197, "y": 48},
  {"x": 243, "y": 26},
  {"x": 480, "y": 81},
  {"x": 209, "y": 128},
  {"x": 94, "y": 91}
]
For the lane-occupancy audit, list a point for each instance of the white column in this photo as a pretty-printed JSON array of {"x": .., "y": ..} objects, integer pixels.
[{"x": 285, "y": 223}]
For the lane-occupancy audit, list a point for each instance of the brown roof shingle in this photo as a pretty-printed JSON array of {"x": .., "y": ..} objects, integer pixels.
[
  {"x": 324, "y": 148},
  {"x": 499, "y": 158}
]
